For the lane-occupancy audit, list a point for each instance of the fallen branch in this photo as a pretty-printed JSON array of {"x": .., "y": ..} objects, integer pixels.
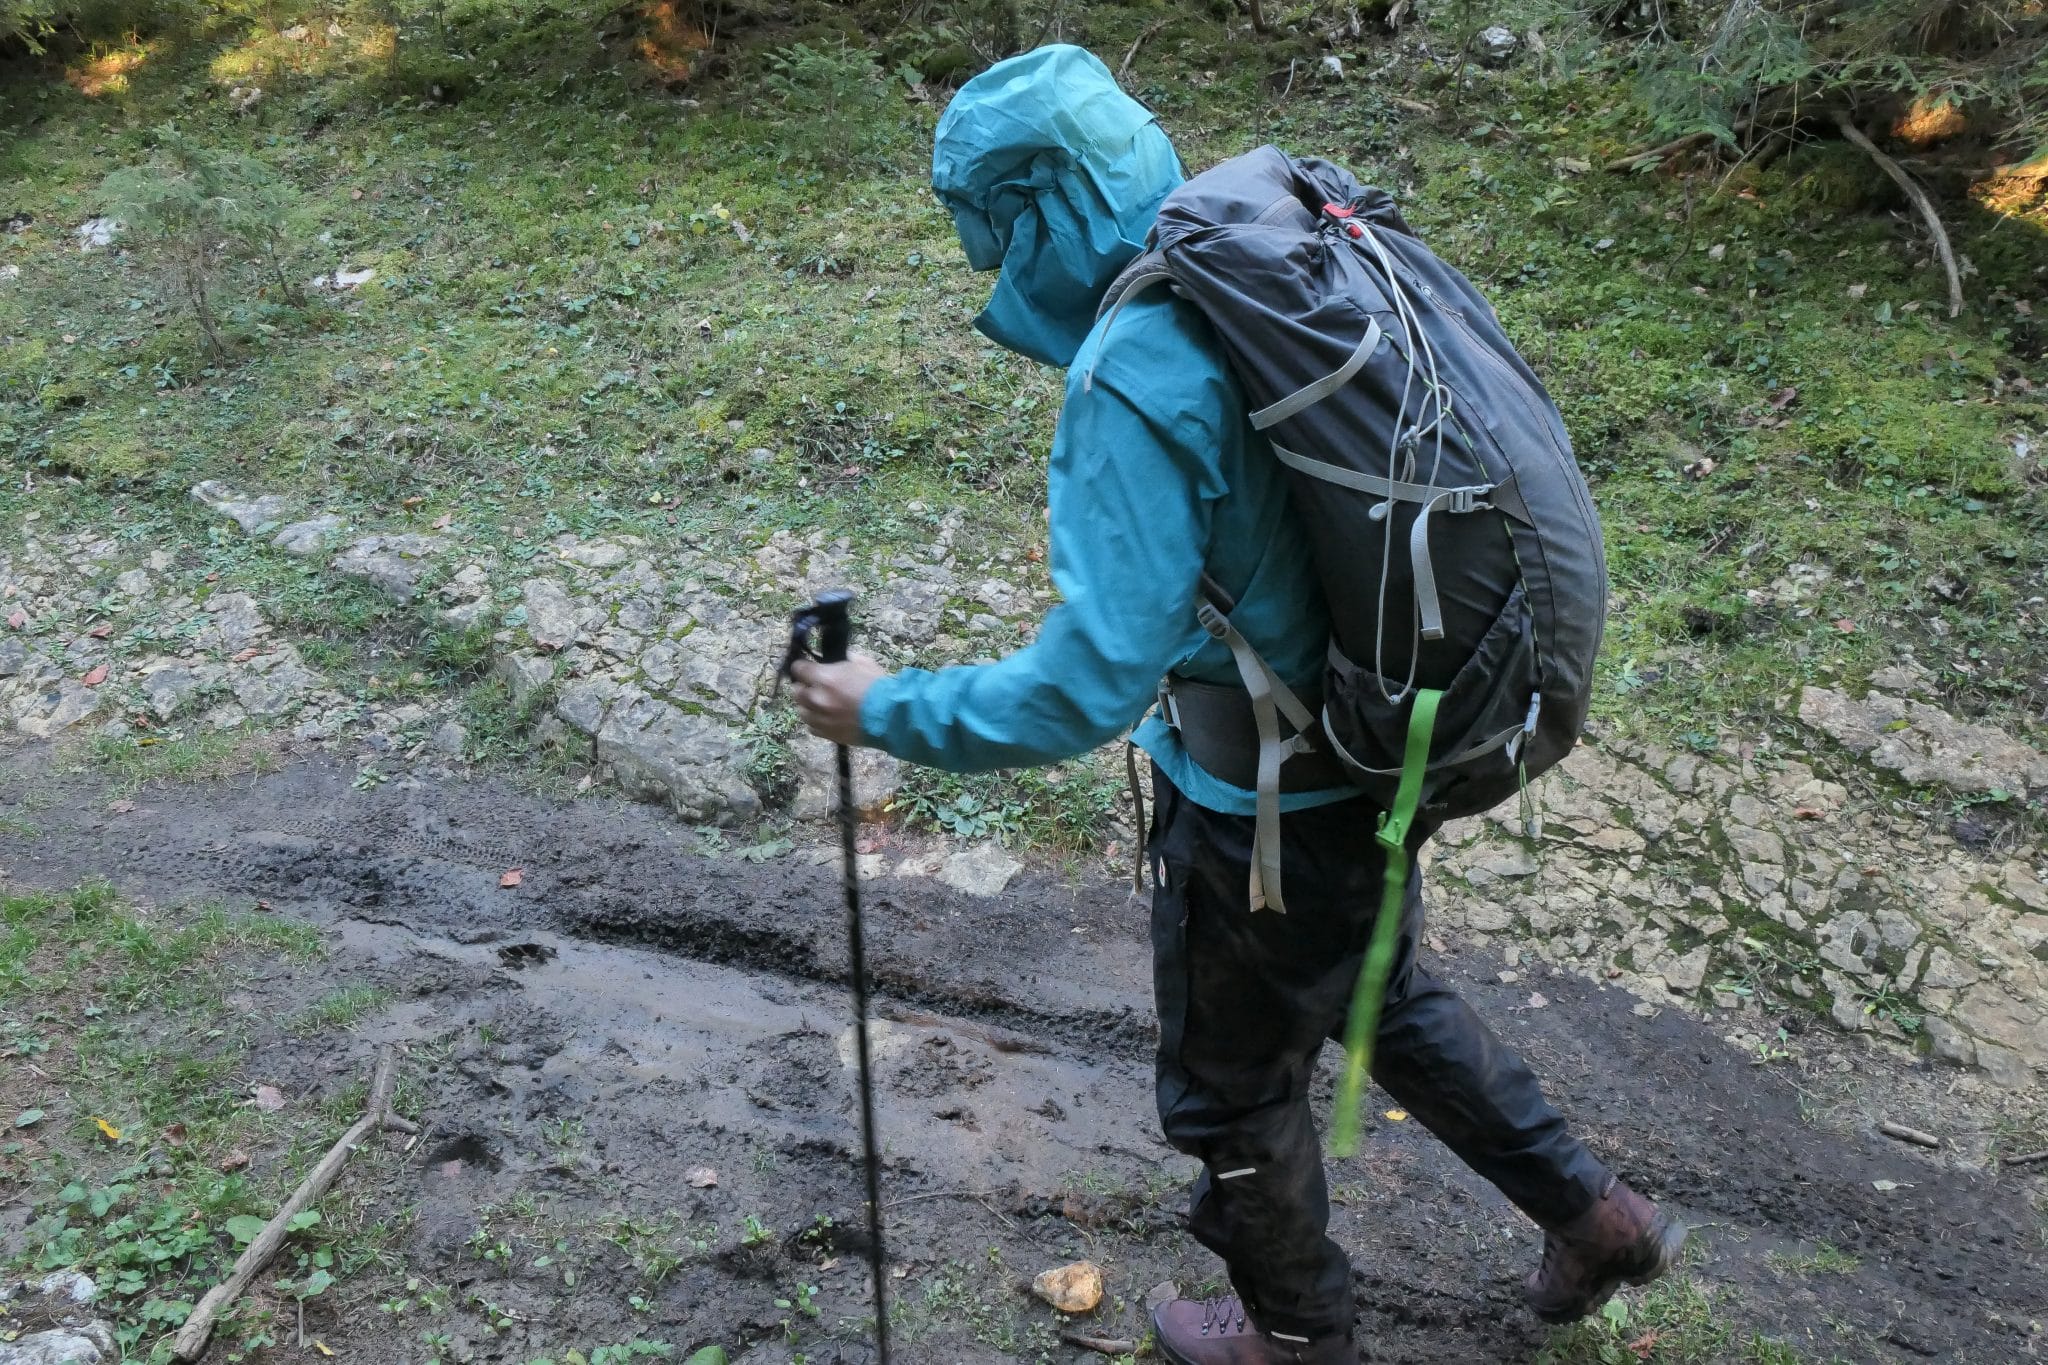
[
  {"x": 1136, "y": 43},
  {"x": 1905, "y": 1134},
  {"x": 1412, "y": 106},
  {"x": 1921, "y": 202},
  {"x": 2027, "y": 1158},
  {"x": 1109, "y": 1346},
  {"x": 199, "y": 1326},
  {"x": 1258, "y": 17},
  {"x": 1663, "y": 153}
]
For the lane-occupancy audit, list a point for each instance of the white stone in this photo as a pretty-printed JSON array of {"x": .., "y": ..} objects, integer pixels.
[
  {"x": 550, "y": 614},
  {"x": 304, "y": 539},
  {"x": 983, "y": 870}
]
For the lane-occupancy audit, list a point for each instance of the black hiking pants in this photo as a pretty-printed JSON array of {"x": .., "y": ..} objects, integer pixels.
[{"x": 1246, "y": 1001}]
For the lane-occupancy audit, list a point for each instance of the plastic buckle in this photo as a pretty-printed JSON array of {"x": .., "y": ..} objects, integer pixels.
[
  {"x": 1342, "y": 213},
  {"x": 1213, "y": 621},
  {"x": 1469, "y": 499},
  {"x": 1169, "y": 710},
  {"x": 1339, "y": 210}
]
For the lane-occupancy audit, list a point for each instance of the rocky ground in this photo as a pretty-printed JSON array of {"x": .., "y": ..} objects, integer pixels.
[{"x": 1864, "y": 859}]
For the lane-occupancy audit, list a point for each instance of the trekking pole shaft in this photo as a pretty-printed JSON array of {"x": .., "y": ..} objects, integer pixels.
[{"x": 857, "y": 965}]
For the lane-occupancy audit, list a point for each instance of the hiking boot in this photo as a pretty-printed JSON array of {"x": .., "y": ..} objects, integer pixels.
[
  {"x": 1621, "y": 1239},
  {"x": 1217, "y": 1332}
]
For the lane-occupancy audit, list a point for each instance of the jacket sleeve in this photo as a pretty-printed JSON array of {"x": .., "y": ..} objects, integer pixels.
[{"x": 1132, "y": 488}]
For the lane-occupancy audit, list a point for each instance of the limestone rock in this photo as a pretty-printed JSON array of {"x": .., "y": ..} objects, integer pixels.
[
  {"x": 252, "y": 514},
  {"x": 1688, "y": 973},
  {"x": 983, "y": 870},
  {"x": 1075, "y": 1288},
  {"x": 14, "y": 656},
  {"x": 169, "y": 690},
  {"x": 62, "y": 706},
  {"x": 134, "y": 583},
  {"x": 876, "y": 779},
  {"x": 450, "y": 738},
  {"x": 91, "y": 1344},
  {"x": 522, "y": 674},
  {"x": 394, "y": 564},
  {"x": 1924, "y": 744},
  {"x": 275, "y": 691},
  {"x": 1947, "y": 1043},
  {"x": 550, "y": 614},
  {"x": 2002, "y": 1066},
  {"x": 233, "y": 623},
  {"x": 660, "y": 752},
  {"x": 304, "y": 539},
  {"x": 1496, "y": 45}
]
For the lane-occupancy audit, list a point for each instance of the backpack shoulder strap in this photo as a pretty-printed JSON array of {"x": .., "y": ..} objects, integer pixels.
[{"x": 1141, "y": 274}]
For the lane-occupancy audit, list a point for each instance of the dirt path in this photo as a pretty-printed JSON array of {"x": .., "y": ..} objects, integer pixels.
[{"x": 634, "y": 1011}]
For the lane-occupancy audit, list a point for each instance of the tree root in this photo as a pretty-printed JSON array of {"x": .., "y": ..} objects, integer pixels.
[{"x": 1921, "y": 202}]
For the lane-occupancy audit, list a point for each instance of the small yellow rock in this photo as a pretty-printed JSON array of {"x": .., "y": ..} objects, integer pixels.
[{"x": 1075, "y": 1288}]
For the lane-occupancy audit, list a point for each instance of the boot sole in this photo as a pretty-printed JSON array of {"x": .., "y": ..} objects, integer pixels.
[{"x": 1668, "y": 1240}]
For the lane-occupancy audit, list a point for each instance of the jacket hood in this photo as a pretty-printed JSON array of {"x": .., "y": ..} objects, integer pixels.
[{"x": 1053, "y": 174}]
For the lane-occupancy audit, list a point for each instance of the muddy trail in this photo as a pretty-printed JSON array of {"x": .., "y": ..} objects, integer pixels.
[{"x": 587, "y": 1045}]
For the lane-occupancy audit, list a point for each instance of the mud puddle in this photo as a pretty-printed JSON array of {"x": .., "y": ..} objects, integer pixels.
[{"x": 642, "y": 1054}]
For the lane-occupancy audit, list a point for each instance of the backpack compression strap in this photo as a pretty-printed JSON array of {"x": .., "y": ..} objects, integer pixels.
[
  {"x": 1364, "y": 1022},
  {"x": 1271, "y": 699}
]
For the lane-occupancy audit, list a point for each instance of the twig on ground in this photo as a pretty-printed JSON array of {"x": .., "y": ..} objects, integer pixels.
[
  {"x": 939, "y": 1194},
  {"x": 1921, "y": 202},
  {"x": 1663, "y": 153},
  {"x": 2027, "y": 1158},
  {"x": 1905, "y": 1134},
  {"x": 1412, "y": 106},
  {"x": 1136, "y": 43},
  {"x": 198, "y": 1327},
  {"x": 1109, "y": 1346}
]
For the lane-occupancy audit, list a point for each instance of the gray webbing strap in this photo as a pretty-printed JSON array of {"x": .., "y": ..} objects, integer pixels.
[
  {"x": 1308, "y": 395},
  {"x": 1271, "y": 698},
  {"x": 1479, "y": 750},
  {"x": 1132, "y": 287},
  {"x": 1467, "y": 498}
]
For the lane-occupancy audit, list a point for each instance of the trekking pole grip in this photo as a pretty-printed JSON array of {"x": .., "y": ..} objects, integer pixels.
[{"x": 833, "y": 612}]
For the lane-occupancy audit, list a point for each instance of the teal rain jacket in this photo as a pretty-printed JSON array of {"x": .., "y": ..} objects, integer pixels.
[{"x": 1054, "y": 175}]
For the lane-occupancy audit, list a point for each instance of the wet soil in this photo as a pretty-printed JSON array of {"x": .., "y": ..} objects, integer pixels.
[{"x": 585, "y": 1046}]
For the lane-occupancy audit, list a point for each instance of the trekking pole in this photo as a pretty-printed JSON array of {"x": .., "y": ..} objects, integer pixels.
[{"x": 830, "y": 619}]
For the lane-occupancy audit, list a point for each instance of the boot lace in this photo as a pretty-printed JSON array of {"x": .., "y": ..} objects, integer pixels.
[{"x": 1222, "y": 1316}]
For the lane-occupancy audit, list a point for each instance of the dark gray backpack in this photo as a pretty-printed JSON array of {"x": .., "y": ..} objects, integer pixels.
[{"x": 1453, "y": 534}]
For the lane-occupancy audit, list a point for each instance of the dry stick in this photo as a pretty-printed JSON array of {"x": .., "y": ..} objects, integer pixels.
[
  {"x": 1920, "y": 201},
  {"x": 198, "y": 1327},
  {"x": 2027, "y": 1158},
  {"x": 1905, "y": 1134},
  {"x": 1109, "y": 1346},
  {"x": 1125, "y": 69},
  {"x": 1664, "y": 153}
]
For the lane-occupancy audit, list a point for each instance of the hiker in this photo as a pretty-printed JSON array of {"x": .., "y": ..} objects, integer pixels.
[{"x": 1157, "y": 481}]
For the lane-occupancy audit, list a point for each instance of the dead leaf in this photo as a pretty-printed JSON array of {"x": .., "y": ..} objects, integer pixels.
[
  {"x": 120, "y": 808},
  {"x": 1782, "y": 399},
  {"x": 1857, "y": 291},
  {"x": 1887, "y": 1186},
  {"x": 234, "y": 1161},
  {"x": 100, "y": 631},
  {"x": 265, "y": 905},
  {"x": 96, "y": 677},
  {"x": 1538, "y": 1000},
  {"x": 701, "y": 1178},
  {"x": 269, "y": 1098},
  {"x": 17, "y": 620},
  {"x": 246, "y": 655},
  {"x": 441, "y": 522},
  {"x": 1807, "y": 813},
  {"x": 1644, "y": 1344},
  {"x": 409, "y": 503},
  {"x": 107, "y": 1130},
  {"x": 355, "y": 194},
  {"x": 175, "y": 1135},
  {"x": 322, "y": 1347},
  {"x": 1397, "y": 1115},
  {"x": 1700, "y": 468},
  {"x": 1845, "y": 625},
  {"x": 512, "y": 878}
]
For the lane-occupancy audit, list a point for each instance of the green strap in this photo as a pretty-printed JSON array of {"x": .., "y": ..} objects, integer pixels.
[{"x": 1379, "y": 953}]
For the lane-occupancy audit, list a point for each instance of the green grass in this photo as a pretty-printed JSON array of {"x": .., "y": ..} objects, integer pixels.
[
  {"x": 339, "y": 1009},
  {"x": 1676, "y": 1321},
  {"x": 133, "y": 1167},
  {"x": 569, "y": 332},
  {"x": 134, "y": 762},
  {"x": 1825, "y": 1259}
]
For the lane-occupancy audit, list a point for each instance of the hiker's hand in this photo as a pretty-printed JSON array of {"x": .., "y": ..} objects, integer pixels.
[{"x": 828, "y": 696}]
